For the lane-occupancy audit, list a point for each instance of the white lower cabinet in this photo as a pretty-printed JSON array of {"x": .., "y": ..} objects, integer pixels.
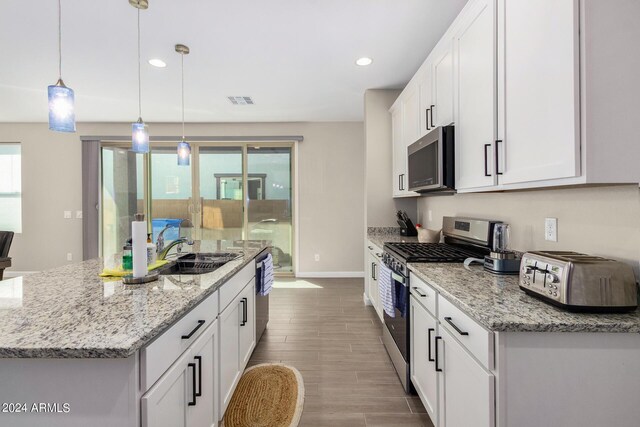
[
  {"x": 424, "y": 328},
  {"x": 468, "y": 390},
  {"x": 237, "y": 341},
  {"x": 185, "y": 394}
]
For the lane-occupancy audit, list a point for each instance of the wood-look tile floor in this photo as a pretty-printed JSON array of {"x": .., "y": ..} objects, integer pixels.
[{"x": 323, "y": 328}]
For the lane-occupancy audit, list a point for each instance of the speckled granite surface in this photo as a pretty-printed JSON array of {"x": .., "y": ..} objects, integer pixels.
[
  {"x": 380, "y": 235},
  {"x": 70, "y": 312},
  {"x": 498, "y": 303}
]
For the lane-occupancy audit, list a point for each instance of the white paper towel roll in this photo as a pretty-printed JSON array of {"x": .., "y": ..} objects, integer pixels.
[{"x": 139, "y": 248}]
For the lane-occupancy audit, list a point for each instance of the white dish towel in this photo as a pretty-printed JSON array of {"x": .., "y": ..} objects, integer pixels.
[
  {"x": 387, "y": 290},
  {"x": 267, "y": 275}
]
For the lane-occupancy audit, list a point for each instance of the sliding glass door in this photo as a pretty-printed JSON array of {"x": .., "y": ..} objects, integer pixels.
[{"x": 229, "y": 192}]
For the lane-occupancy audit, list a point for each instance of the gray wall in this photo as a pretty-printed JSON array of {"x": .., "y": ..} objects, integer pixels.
[
  {"x": 596, "y": 220},
  {"x": 331, "y": 182}
]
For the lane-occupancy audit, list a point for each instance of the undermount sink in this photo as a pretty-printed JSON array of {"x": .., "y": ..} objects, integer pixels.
[{"x": 198, "y": 263}]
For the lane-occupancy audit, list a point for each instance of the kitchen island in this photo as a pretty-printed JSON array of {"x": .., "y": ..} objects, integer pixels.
[
  {"x": 485, "y": 353},
  {"x": 78, "y": 350}
]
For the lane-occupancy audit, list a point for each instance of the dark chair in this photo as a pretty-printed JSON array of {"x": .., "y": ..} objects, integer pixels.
[{"x": 6, "y": 237}]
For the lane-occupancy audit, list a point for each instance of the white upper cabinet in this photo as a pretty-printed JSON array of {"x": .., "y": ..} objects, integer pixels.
[
  {"x": 539, "y": 74},
  {"x": 425, "y": 82},
  {"x": 411, "y": 114},
  {"x": 442, "y": 109},
  {"x": 475, "y": 115},
  {"x": 404, "y": 127}
]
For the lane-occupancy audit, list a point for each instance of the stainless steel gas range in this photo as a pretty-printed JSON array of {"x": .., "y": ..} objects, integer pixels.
[{"x": 463, "y": 238}]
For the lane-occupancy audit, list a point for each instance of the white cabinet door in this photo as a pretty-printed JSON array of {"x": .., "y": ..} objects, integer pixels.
[
  {"x": 247, "y": 324},
  {"x": 468, "y": 391},
  {"x": 424, "y": 377},
  {"x": 442, "y": 109},
  {"x": 426, "y": 101},
  {"x": 166, "y": 403},
  {"x": 204, "y": 354},
  {"x": 373, "y": 279},
  {"x": 229, "y": 322},
  {"x": 411, "y": 113},
  {"x": 475, "y": 58},
  {"x": 399, "y": 152},
  {"x": 540, "y": 75}
]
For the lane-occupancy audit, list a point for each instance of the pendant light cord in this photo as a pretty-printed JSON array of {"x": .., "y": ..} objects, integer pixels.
[
  {"x": 182, "y": 62},
  {"x": 139, "y": 78},
  {"x": 59, "y": 39}
]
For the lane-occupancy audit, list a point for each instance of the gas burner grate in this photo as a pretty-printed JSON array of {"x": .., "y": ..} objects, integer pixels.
[{"x": 430, "y": 252}]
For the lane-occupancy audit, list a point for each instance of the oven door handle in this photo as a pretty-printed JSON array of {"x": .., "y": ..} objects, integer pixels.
[{"x": 398, "y": 278}]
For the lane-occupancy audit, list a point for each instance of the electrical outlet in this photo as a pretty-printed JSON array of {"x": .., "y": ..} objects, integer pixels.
[
  {"x": 69, "y": 256},
  {"x": 78, "y": 214},
  {"x": 551, "y": 229},
  {"x": 317, "y": 257},
  {"x": 67, "y": 214}
]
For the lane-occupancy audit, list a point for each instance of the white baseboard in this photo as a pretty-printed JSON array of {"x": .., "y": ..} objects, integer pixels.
[{"x": 330, "y": 274}]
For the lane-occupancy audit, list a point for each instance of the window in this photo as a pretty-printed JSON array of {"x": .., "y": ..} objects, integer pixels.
[{"x": 10, "y": 188}]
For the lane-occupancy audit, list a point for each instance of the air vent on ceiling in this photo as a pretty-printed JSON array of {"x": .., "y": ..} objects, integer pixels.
[{"x": 241, "y": 100}]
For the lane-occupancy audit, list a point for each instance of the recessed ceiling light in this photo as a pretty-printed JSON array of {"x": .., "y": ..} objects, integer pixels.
[
  {"x": 364, "y": 61},
  {"x": 157, "y": 63}
]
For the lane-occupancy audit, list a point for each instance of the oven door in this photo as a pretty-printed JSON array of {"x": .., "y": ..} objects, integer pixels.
[
  {"x": 398, "y": 326},
  {"x": 425, "y": 162}
]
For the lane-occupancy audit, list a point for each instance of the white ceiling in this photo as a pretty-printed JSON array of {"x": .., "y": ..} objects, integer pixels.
[{"x": 295, "y": 58}]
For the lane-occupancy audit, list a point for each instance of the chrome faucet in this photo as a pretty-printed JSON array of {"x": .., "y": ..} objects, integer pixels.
[
  {"x": 160, "y": 239},
  {"x": 178, "y": 242}
]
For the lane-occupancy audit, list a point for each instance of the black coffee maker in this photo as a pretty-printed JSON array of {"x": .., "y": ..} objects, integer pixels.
[{"x": 406, "y": 226}]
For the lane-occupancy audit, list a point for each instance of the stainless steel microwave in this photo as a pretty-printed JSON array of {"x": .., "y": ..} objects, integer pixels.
[{"x": 431, "y": 161}]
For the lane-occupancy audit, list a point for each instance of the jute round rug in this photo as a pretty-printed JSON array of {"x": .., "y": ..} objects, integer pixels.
[{"x": 268, "y": 395}]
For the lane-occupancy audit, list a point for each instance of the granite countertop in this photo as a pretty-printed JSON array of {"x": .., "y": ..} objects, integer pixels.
[
  {"x": 500, "y": 305},
  {"x": 70, "y": 312},
  {"x": 380, "y": 235}
]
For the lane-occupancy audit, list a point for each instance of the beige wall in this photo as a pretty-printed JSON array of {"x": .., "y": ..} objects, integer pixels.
[
  {"x": 331, "y": 182},
  {"x": 380, "y": 206},
  {"x": 596, "y": 220}
]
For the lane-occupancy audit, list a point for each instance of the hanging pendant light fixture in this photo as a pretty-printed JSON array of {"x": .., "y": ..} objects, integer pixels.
[
  {"x": 184, "y": 149},
  {"x": 62, "y": 116},
  {"x": 139, "y": 130}
]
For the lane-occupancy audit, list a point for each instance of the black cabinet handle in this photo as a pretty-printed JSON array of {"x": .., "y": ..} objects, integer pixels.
[
  {"x": 244, "y": 311},
  {"x": 432, "y": 107},
  {"x": 437, "y": 358},
  {"x": 372, "y": 275},
  {"x": 427, "y": 117},
  {"x": 200, "y": 323},
  {"x": 375, "y": 271},
  {"x": 199, "y": 360},
  {"x": 458, "y": 330},
  {"x": 486, "y": 172},
  {"x": 400, "y": 182},
  {"x": 193, "y": 389},
  {"x": 419, "y": 293},
  {"x": 496, "y": 155},
  {"x": 429, "y": 331}
]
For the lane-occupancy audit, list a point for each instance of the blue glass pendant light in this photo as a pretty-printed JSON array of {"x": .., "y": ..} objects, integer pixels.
[
  {"x": 184, "y": 149},
  {"x": 139, "y": 130},
  {"x": 62, "y": 117}
]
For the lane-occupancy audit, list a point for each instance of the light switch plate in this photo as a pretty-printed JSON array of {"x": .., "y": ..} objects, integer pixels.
[
  {"x": 67, "y": 214},
  {"x": 551, "y": 229},
  {"x": 69, "y": 256}
]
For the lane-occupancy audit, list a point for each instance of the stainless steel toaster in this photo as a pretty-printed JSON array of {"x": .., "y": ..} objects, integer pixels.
[{"x": 579, "y": 282}]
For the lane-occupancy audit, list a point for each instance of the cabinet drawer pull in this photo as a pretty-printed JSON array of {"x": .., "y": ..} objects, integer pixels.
[
  {"x": 497, "y": 166},
  {"x": 438, "y": 369},
  {"x": 432, "y": 107},
  {"x": 193, "y": 383},
  {"x": 429, "y": 331},
  {"x": 486, "y": 172},
  {"x": 458, "y": 330},
  {"x": 199, "y": 360},
  {"x": 244, "y": 311},
  {"x": 200, "y": 323},
  {"x": 419, "y": 293}
]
